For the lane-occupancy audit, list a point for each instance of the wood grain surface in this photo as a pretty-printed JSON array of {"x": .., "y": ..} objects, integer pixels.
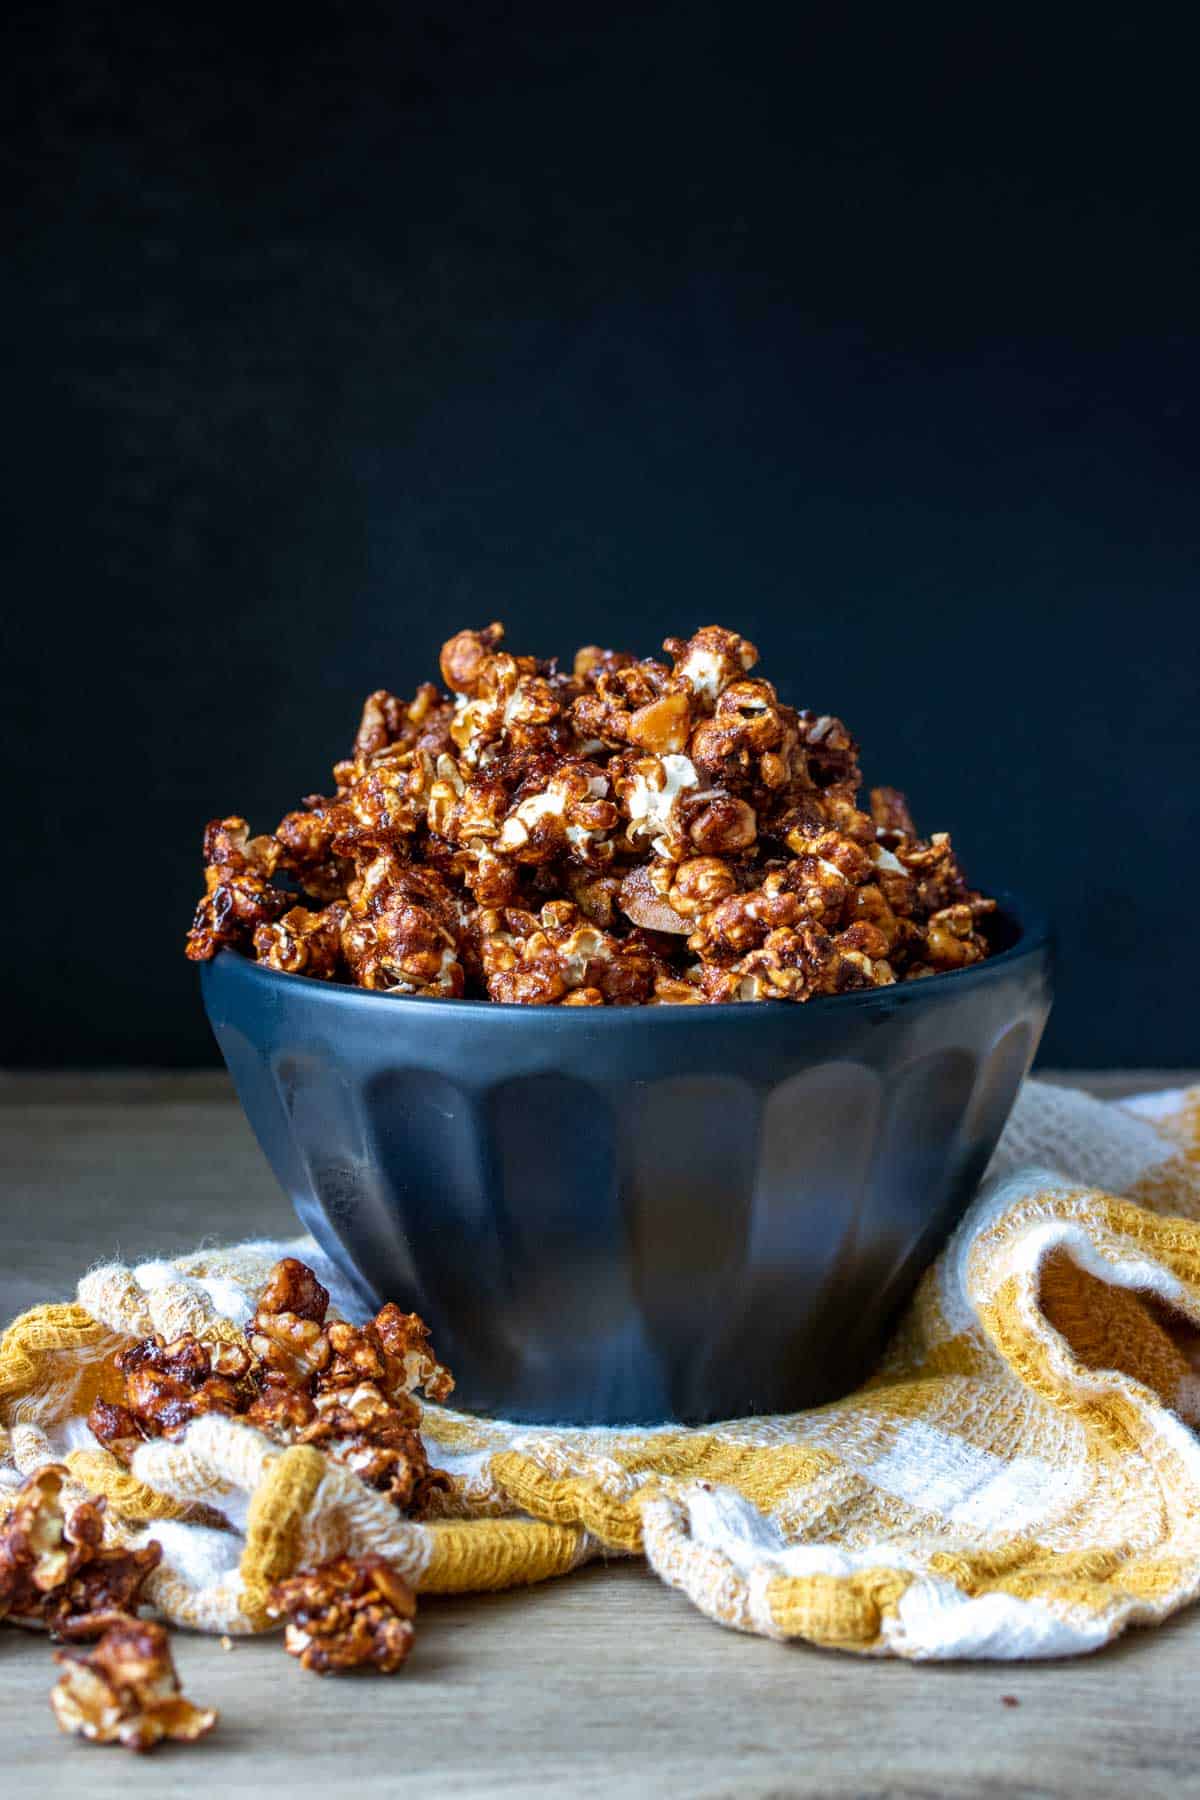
[{"x": 603, "y": 1684}]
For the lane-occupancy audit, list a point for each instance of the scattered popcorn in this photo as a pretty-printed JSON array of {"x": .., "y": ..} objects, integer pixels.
[
  {"x": 347, "y": 1613},
  {"x": 125, "y": 1691}
]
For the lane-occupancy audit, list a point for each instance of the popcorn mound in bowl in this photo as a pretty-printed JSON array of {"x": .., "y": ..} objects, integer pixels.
[{"x": 630, "y": 834}]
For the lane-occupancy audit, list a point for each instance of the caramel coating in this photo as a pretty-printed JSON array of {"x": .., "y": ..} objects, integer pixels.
[
  {"x": 55, "y": 1570},
  {"x": 300, "y": 1378},
  {"x": 347, "y": 1613},
  {"x": 125, "y": 1691},
  {"x": 635, "y": 832}
]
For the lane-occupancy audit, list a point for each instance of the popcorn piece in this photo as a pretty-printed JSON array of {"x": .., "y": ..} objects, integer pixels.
[
  {"x": 889, "y": 810},
  {"x": 36, "y": 1552},
  {"x": 347, "y": 1613},
  {"x": 54, "y": 1568},
  {"x": 358, "y": 1427},
  {"x": 831, "y": 753},
  {"x": 282, "y": 1412},
  {"x": 725, "y": 825},
  {"x": 951, "y": 940},
  {"x": 591, "y": 662},
  {"x": 749, "y": 738},
  {"x": 710, "y": 659},
  {"x": 699, "y": 884},
  {"x": 405, "y": 1340},
  {"x": 635, "y": 703},
  {"x": 571, "y": 816},
  {"x": 287, "y": 1333},
  {"x": 379, "y": 725},
  {"x": 239, "y": 897},
  {"x": 292, "y": 1287},
  {"x": 304, "y": 943},
  {"x": 364, "y": 1413},
  {"x": 305, "y": 841},
  {"x": 401, "y": 932},
  {"x": 386, "y": 804},
  {"x": 649, "y": 788},
  {"x": 125, "y": 1691},
  {"x": 167, "y": 1385},
  {"x": 467, "y": 657},
  {"x": 103, "y": 1590},
  {"x": 115, "y": 1427},
  {"x": 795, "y": 963},
  {"x": 510, "y": 697},
  {"x": 530, "y": 960}
]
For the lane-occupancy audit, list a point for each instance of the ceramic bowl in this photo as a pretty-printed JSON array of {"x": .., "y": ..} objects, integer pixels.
[{"x": 637, "y": 1215}]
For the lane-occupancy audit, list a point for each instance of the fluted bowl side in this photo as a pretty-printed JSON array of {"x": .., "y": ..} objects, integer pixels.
[{"x": 637, "y": 1215}]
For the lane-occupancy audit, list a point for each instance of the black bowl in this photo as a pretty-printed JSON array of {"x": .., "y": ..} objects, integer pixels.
[{"x": 614, "y": 1216}]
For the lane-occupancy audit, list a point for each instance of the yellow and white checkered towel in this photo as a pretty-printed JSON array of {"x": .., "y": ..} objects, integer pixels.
[{"x": 1020, "y": 1478}]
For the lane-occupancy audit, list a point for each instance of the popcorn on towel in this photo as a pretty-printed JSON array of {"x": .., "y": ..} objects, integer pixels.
[
  {"x": 300, "y": 1378},
  {"x": 55, "y": 1569}
]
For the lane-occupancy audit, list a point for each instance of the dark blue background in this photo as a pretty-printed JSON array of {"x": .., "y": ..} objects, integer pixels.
[{"x": 877, "y": 341}]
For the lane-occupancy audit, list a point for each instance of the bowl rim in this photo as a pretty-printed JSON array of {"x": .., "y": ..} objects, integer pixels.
[{"x": 1036, "y": 938}]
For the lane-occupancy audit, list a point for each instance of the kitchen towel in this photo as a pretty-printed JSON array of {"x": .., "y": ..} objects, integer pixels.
[{"x": 1020, "y": 1477}]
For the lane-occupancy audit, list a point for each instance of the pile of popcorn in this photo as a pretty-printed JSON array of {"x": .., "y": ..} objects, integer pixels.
[
  {"x": 300, "y": 1377},
  {"x": 630, "y": 833}
]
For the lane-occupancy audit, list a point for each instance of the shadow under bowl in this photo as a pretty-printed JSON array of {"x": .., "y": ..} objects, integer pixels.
[{"x": 638, "y": 1215}]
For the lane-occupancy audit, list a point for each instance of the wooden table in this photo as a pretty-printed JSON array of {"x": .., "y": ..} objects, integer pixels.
[{"x": 603, "y": 1684}]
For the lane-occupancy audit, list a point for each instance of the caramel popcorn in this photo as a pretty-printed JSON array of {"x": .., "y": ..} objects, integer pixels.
[
  {"x": 167, "y": 1385},
  {"x": 631, "y": 833},
  {"x": 55, "y": 1570},
  {"x": 125, "y": 1691},
  {"x": 300, "y": 1378},
  {"x": 347, "y": 1613}
]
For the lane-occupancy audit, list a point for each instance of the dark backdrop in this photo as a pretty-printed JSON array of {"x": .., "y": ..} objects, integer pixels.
[{"x": 332, "y": 329}]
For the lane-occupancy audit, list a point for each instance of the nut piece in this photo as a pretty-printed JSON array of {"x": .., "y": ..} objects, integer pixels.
[
  {"x": 347, "y": 1613},
  {"x": 125, "y": 1691}
]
